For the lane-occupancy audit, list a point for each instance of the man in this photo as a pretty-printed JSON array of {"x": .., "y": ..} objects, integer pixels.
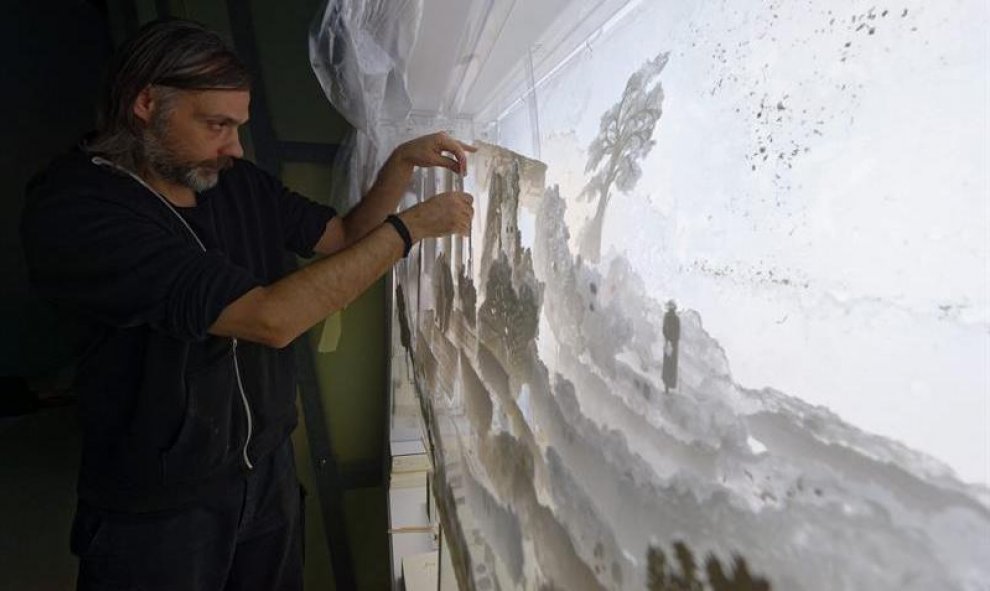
[
  {"x": 170, "y": 248},
  {"x": 671, "y": 336}
]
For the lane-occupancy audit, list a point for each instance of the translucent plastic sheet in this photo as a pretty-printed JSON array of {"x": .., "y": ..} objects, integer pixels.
[{"x": 358, "y": 50}]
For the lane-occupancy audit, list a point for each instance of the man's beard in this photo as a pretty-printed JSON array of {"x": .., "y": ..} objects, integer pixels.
[{"x": 162, "y": 157}]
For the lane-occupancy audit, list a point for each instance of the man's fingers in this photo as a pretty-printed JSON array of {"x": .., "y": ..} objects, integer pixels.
[
  {"x": 462, "y": 154},
  {"x": 469, "y": 211},
  {"x": 449, "y": 162},
  {"x": 464, "y": 212},
  {"x": 460, "y": 157},
  {"x": 458, "y": 149}
]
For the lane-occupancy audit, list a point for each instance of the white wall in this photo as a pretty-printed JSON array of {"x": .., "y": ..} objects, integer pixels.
[{"x": 846, "y": 263}]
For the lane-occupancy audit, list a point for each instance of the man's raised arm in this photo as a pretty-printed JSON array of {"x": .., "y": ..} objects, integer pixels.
[
  {"x": 276, "y": 314},
  {"x": 438, "y": 149}
]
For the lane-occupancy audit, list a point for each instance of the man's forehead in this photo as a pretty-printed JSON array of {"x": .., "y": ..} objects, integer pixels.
[{"x": 233, "y": 104}]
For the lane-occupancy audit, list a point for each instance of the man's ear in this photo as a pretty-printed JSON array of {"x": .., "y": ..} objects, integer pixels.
[{"x": 144, "y": 104}]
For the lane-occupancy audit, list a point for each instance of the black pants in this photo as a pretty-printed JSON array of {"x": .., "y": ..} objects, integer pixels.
[{"x": 251, "y": 539}]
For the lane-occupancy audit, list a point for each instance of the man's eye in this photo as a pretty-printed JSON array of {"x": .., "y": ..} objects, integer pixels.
[{"x": 215, "y": 125}]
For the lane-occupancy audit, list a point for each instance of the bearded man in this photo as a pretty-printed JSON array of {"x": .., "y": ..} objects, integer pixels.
[{"x": 170, "y": 249}]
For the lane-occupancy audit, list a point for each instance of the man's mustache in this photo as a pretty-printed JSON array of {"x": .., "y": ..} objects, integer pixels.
[{"x": 219, "y": 164}]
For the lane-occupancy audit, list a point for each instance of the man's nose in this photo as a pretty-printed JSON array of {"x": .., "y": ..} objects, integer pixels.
[{"x": 232, "y": 147}]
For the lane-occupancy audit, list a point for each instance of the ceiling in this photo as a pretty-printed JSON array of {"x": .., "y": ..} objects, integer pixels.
[{"x": 472, "y": 54}]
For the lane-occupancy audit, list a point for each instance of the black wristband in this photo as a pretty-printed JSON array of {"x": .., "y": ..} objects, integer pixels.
[{"x": 403, "y": 231}]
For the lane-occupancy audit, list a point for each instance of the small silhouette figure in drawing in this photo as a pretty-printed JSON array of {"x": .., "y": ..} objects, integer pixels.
[{"x": 671, "y": 334}]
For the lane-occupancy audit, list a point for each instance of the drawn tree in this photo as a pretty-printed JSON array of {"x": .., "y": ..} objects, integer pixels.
[
  {"x": 663, "y": 574},
  {"x": 513, "y": 315},
  {"x": 405, "y": 333},
  {"x": 625, "y": 136},
  {"x": 740, "y": 579},
  {"x": 468, "y": 295},
  {"x": 443, "y": 289}
]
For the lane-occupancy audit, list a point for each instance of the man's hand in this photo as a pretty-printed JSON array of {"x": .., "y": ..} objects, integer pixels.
[
  {"x": 436, "y": 149},
  {"x": 440, "y": 215}
]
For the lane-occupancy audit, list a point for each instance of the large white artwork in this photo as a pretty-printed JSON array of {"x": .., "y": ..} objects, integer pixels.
[
  {"x": 566, "y": 451},
  {"x": 723, "y": 321}
]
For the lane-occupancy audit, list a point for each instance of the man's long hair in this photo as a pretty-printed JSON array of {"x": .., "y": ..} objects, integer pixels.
[{"x": 167, "y": 55}]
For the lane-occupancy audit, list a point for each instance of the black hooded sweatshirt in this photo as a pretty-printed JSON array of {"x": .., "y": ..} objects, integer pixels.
[{"x": 164, "y": 421}]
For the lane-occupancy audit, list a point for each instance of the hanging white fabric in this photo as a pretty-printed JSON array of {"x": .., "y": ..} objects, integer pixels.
[{"x": 359, "y": 50}]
